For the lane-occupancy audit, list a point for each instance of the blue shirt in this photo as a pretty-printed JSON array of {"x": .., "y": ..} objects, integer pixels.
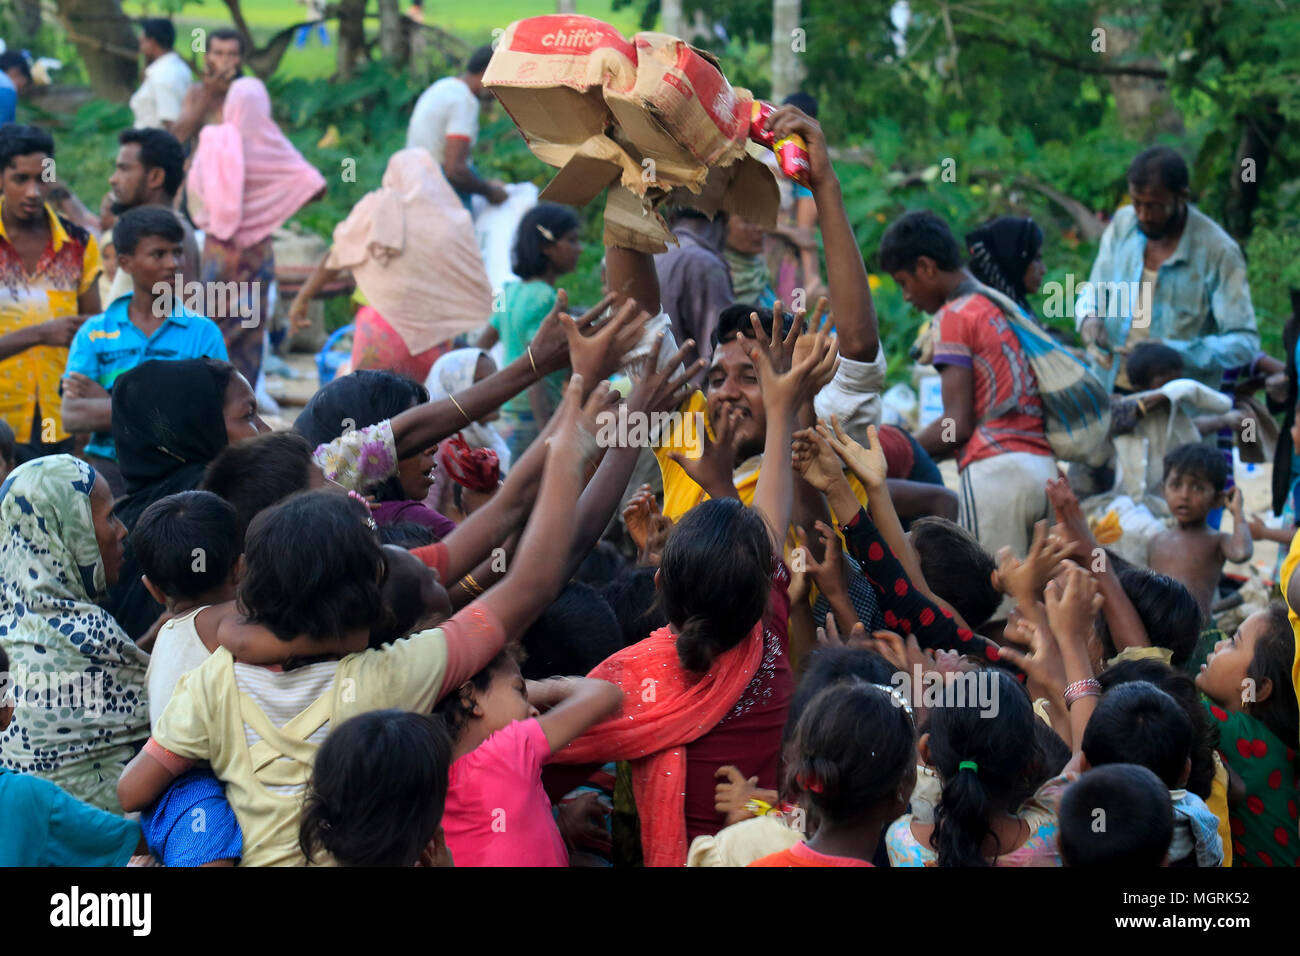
[
  {"x": 1200, "y": 306},
  {"x": 109, "y": 344},
  {"x": 8, "y": 99},
  {"x": 43, "y": 826}
]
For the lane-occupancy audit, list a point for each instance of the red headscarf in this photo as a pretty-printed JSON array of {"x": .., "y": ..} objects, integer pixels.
[
  {"x": 474, "y": 468},
  {"x": 664, "y": 707}
]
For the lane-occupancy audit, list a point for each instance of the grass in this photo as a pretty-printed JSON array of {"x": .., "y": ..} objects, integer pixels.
[{"x": 471, "y": 22}]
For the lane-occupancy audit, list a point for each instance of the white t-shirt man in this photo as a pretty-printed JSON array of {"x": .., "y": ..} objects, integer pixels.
[
  {"x": 159, "y": 98},
  {"x": 447, "y": 108}
]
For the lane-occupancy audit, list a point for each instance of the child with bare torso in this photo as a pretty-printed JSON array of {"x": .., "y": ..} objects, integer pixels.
[{"x": 1191, "y": 551}]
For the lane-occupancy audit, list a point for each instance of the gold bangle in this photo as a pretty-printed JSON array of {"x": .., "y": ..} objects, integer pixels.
[
  {"x": 533, "y": 362},
  {"x": 472, "y": 586},
  {"x": 468, "y": 420},
  {"x": 1142, "y": 408}
]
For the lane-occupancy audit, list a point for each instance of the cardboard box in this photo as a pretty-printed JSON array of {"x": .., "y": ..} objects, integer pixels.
[{"x": 653, "y": 120}]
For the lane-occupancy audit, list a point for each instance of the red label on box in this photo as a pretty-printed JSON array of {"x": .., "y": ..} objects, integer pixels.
[{"x": 551, "y": 35}]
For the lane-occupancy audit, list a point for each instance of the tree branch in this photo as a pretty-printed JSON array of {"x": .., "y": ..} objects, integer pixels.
[{"x": 1098, "y": 69}]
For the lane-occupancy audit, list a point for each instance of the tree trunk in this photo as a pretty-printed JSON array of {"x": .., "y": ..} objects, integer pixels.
[
  {"x": 1259, "y": 135},
  {"x": 352, "y": 36},
  {"x": 27, "y": 19},
  {"x": 1143, "y": 104},
  {"x": 390, "y": 29},
  {"x": 671, "y": 20},
  {"x": 106, "y": 43},
  {"x": 786, "y": 46}
]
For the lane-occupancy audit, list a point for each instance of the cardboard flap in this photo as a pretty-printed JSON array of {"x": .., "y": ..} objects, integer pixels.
[
  {"x": 581, "y": 180},
  {"x": 631, "y": 223}
]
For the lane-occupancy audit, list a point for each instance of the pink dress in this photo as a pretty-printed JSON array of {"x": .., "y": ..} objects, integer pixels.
[{"x": 497, "y": 813}]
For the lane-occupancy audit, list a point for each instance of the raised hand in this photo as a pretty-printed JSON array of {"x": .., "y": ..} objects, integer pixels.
[
  {"x": 829, "y": 572},
  {"x": 1025, "y": 580},
  {"x": 785, "y": 383},
  {"x": 658, "y": 389},
  {"x": 868, "y": 464},
  {"x": 813, "y": 458},
  {"x": 1040, "y": 657},
  {"x": 829, "y": 636},
  {"x": 714, "y": 468},
  {"x": 597, "y": 351},
  {"x": 1073, "y": 601}
]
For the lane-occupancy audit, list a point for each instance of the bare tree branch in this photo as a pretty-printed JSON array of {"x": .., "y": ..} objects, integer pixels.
[{"x": 1098, "y": 69}]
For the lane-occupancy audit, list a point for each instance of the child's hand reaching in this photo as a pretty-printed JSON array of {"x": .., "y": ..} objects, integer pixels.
[
  {"x": 815, "y": 461},
  {"x": 829, "y": 636},
  {"x": 1068, "y": 513},
  {"x": 1042, "y": 664},
  {"x": 733, "y": 793},
  {"x": 1025, "y": 580},
  {"x": 1073, "y": 600},
  {"x": 828, "y": 574},
  {"x": 867, "y": 463}
]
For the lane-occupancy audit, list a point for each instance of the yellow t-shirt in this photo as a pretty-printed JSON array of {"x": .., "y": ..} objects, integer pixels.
[
  {"x": 69, "y": 266},
  {"x": 1288, "y": 566},
  {"x": 206, "y": 717},
  {"x": 681, "y": 493}
]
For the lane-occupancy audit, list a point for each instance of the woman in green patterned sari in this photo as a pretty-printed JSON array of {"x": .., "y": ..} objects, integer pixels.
[{"x": 77, "y": 680}]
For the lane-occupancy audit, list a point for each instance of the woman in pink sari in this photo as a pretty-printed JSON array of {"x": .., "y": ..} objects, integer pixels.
[
  {"x": 246, "y": 180},
  {"x": 410, "y": 247}
]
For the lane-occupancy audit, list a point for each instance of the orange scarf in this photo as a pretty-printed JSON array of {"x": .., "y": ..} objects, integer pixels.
[{"x": 664, "y": 707}]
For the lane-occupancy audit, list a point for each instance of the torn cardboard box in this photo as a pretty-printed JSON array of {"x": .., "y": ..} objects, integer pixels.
[{"x": 653, "y": 120}]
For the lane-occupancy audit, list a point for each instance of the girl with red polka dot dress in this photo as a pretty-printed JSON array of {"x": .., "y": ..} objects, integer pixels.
[{"x": 1250, "y": 697}]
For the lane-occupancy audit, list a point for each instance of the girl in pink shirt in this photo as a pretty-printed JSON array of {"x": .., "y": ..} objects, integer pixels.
[{"x": 497, "y": 812}]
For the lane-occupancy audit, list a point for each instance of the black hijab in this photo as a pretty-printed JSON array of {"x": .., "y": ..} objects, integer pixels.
[
  {"x": 168, "y": 423},
  {"x": 1000, "y": 252},
  {"x": 366, "y": 397}
]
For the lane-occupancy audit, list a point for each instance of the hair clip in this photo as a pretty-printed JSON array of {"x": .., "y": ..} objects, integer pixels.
[
  {"x": 546, "y": 233},
  {"x": 898, "y": 698}
]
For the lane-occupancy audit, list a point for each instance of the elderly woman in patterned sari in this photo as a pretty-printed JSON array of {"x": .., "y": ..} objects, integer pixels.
[{"x": 78, "y": 681}]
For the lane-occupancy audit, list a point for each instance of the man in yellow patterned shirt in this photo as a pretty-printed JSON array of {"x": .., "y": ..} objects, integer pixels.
[{"x": 48, "y": 273}]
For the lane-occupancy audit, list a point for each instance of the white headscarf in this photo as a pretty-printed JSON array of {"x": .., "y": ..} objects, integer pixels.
[{"x": 454, "y": 372}]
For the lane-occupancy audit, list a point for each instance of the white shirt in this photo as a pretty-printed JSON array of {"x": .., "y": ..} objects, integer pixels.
[
  {"x": 178, "y": 650},
  {"x": 159, "y": 98},
  {"x": 447, "y": 108}
]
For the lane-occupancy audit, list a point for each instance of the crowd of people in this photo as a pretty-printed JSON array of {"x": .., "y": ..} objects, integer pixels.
[{"x": 452, "y": 616}]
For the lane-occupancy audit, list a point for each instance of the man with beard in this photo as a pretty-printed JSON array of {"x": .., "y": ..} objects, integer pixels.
[
  {"x": 223, "y": 63},
  {"x": 1166, "y": 272},
  {"x": 149, "y": 169}
]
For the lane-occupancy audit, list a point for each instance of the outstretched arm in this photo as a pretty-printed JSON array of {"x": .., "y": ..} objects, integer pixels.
[
  {"x": 534, "y": 579},
  {"x": 850, "y": 295}
]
